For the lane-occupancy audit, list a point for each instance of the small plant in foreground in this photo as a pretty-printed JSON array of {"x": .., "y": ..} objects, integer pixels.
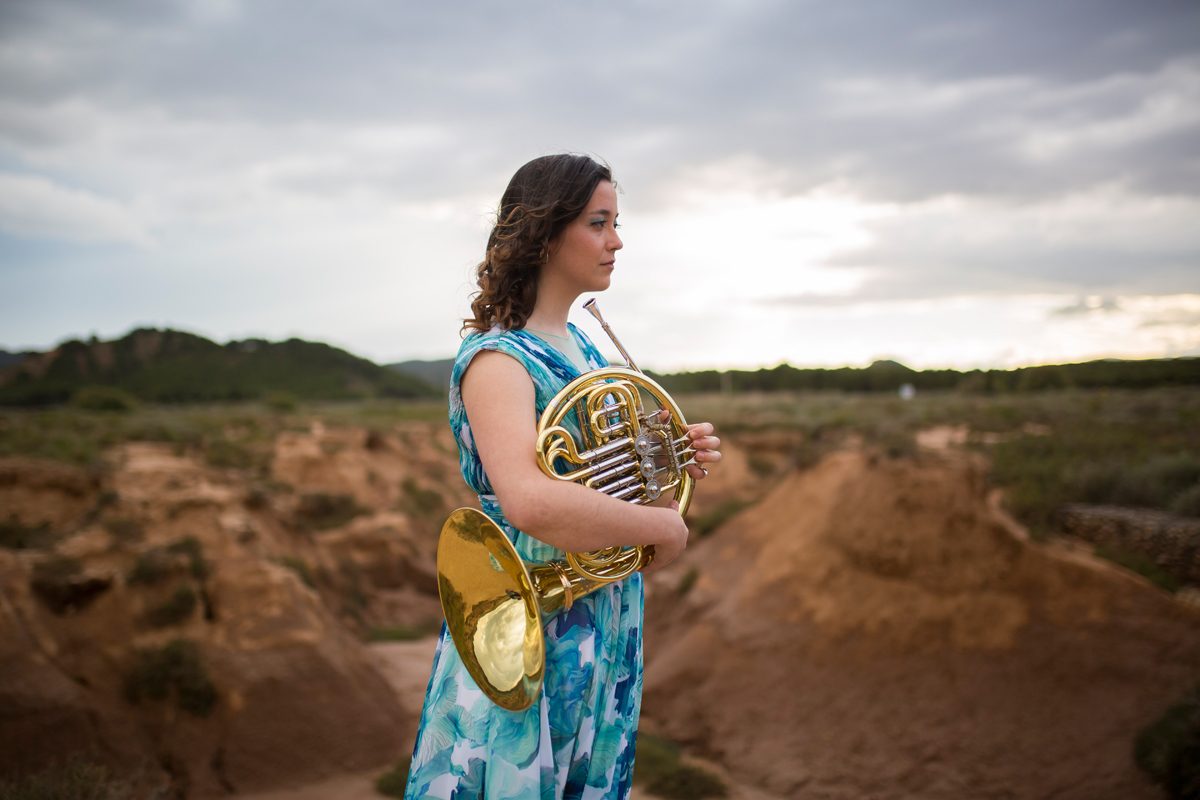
[
  {"x": 175, "y": 667},
  {"x": 392, "y": 782},
  {"x": 658, "y": 768}
]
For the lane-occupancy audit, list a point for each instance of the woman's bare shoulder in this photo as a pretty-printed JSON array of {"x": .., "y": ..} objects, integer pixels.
[{"x": 496, "y": 370}]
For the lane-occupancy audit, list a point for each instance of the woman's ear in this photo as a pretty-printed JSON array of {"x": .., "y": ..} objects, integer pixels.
[{"x": 551, "y": 247}]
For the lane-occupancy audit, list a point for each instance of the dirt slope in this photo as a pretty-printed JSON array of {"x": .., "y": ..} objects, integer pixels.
[
  {"x": 874, "y": 628},
  {"x": 164, "y": 546}
]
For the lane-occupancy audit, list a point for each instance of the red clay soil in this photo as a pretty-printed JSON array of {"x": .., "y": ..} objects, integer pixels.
[{"x": 874, "y": 628}]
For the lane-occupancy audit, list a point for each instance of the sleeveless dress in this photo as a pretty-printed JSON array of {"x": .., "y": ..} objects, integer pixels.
[{"x": 577, "y": 741}]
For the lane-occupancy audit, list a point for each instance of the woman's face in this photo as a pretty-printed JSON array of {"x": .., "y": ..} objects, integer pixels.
[{"x": 584, "y": 253}]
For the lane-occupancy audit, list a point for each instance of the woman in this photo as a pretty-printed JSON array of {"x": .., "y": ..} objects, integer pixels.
[{"x": 555, "y": 238}]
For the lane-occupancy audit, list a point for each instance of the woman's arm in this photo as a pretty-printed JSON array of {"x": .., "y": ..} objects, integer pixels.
[{"x": 499, "y": 398}]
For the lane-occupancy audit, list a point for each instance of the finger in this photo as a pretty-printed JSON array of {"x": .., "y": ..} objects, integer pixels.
[
  {"x": 696, "y": 471},
  {"x": 707, "y": 443},
  {"x": 709, "y": 457},
  {"x": 700, "y": 429}
]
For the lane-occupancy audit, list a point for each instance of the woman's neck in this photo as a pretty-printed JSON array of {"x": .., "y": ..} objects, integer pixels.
[{"x": 550, "y": 311}]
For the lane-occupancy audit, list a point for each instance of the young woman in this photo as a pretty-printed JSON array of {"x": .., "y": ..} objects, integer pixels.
[{"x": 555, "y": 238}]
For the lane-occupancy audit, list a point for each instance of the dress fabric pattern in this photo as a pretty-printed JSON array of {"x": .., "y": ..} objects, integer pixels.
[{"x": 577, "y": 741}]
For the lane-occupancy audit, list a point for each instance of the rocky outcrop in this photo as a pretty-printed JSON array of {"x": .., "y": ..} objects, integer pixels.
[
  {"x": 191, "y": 624},
  {"x": 1169, "y": 541},
  {"x": 874, "y": 628}
]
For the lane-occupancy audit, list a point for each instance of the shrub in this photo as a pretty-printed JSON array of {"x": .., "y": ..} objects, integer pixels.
[
  {"x": 280, "y": 402},
  {"x": 151, "y": 567},
  {"x": 301, "y": 568},
  {"x": 190, "y": 546},
  {"x": 75, "y": 779},
  {"x": 658, "y": 768},
  {"x": 176, "y": 609},
  {"x": 760, "y": 465},
  {"x": 375, "y": 440},
  {"x": 104, "y": 398},
  {"x": 714, "y": 519},
  {"x": 125, "y": 529},
  {"x": 318, "y": 510},
  {"x": 16, "y": 535},
  {"x": 257, "y": 498},
  {"x": 420, "y": 500},
  {"x": 176, "y": 666},
  {"x": 402, "y": 633},
  {"x": 1142, "y": 565},
  {"x": 1187, "y": 502},
  {"x": 222, "y": 453},
  {"x": 688, "y": 581},
  {"x": 392, "y": 782},
  {"x": 1169, "y": 748},
  {"x": 58, "y": 584}
]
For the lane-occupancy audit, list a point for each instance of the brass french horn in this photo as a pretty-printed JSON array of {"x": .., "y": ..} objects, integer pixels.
[{"x": 493, "y": 601}]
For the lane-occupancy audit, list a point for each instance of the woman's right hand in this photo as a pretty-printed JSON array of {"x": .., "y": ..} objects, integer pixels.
[{"x": 674, "y": 540}]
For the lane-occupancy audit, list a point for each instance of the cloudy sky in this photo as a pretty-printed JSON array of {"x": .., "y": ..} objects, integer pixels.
[{"x": 945, "y": 183}]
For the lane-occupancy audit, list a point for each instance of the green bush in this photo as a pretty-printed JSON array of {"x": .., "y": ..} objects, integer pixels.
[
  {"x": 658, "y": 768},
  {"x": 1187, "y": 502},
  {"x": 403, "y": 633},
  {"x": 222, "y": 453},
  {"x": 157, "y": 564},
  {"x": 301, "y": 568},
  {"x": 16, "y": 535},
  {"x": 258, "y": 498},
  {"x": 176, "y": 609},
  {"x": 190, "y": 546},
  {"x": 74, "y": 779},
  {"x": 57, "y": 582},
  {"x": 688, "y": 581},
  {"x": 422, "y": 501},
  {"x": 319, "y": 510},
  {"x": 1142, "y": 565},
  {"x": 1156, "y": 481},
  {"x": 761, "y": 466},
  {"x": 125, "y": 529},
  {"x": 392, "y": 782},
  {"x": 175, "y": 667},
  {"x": 1169, "y": 748},
  {"x": 104, "y": 398},
  {"x": 280, "y": 402},
  {"x": 151, "y": 567},
  {"x": 714, "y": 519}
]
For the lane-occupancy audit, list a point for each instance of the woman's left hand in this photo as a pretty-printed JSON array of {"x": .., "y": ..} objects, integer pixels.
[{"x": 706, "y": 444}]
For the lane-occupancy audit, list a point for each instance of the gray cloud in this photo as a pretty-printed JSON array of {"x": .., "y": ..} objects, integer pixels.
[
  {"x": 905, "y": 99},
  {"x": 1023, "y": 147}
]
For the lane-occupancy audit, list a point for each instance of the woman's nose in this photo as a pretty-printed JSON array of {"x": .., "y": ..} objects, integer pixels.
[{"x": 616, "y": 243}]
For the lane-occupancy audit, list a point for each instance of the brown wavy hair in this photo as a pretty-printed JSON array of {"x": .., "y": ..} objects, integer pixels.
[{"x": 543, "y": 196}]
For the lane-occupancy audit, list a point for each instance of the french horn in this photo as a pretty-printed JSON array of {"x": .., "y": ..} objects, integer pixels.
[{"x": 597, "y": 432}]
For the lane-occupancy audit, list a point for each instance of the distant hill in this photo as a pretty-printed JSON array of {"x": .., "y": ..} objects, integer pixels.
[
  {"x": 170, "y": 366},
  {"x": 888, "y": 376},
  {"x": 7, "y": 359},
  {"x": 435, "y": 373}
]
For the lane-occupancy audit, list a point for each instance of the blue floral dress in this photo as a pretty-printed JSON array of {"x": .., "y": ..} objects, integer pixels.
[{"x": 577, "y": 741}]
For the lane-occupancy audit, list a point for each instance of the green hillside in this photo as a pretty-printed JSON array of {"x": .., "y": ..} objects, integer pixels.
[
  {"x": 170, "y": 366},
  {"x": 888, "y": 376}
]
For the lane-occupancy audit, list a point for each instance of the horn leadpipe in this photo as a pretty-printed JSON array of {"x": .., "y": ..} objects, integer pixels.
[{"x": 590, "y": 306}]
